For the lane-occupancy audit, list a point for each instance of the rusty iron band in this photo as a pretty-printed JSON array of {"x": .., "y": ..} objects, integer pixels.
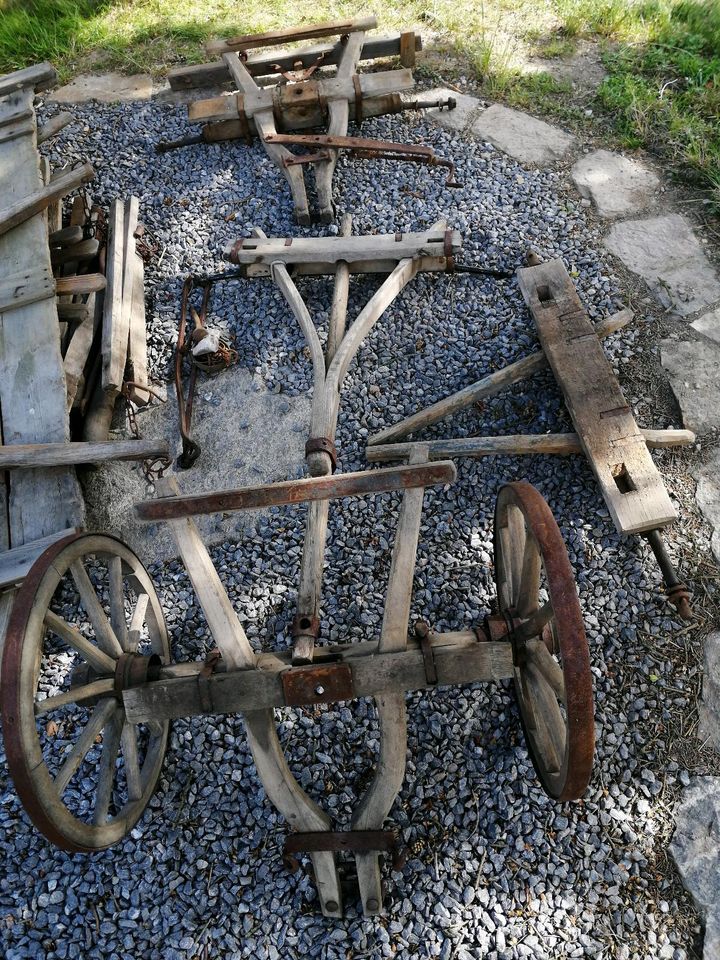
[
  {"x": 358, "y": 99},
  {"x": 203, "y": 680},
  {"x": 322, "y": 445},
  {"x": 243, "y": 119},
  {"x": 304, "y": 626}
]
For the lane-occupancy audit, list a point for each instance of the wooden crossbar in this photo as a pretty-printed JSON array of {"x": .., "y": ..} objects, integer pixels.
[{"x": 273, "y": 38}]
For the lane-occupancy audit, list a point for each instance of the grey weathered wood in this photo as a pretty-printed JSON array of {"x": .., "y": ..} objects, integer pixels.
[
  {"x": 263, "y": 64},
  {"x": 562, "y": 444},
  {"x": 12, "y": 215},
  {"x": 115, "y": 327},
  {"x": 75, "y": 253},
  {"x": 341, "y": 290},
  {"x": 331, "y": 250},
  {"x": 80, "y": 343},
  {"x": 488, "y": 386},
  {"x": 459, "y": 659},
  {"x": 137, "y": 368},
  {"x": 32, "y": 387},
  {"x": 19, "y": 455},
  {"x": 40, "y": 76},
  {"x": 274, "y": 38},
  {"x": 17, "y": 116},
  {"x": 616, "y": 450},
  {"x": 26, "y": 287},
  {"x": 212, "y": 596},
  {"x": 96, "y": 657},
  {"x": 52, "y": 127},
  {"x": 66, "y": 237},
  {"x": 15, "y": 563}
]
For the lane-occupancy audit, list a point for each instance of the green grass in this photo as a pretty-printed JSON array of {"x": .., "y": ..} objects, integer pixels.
[{"x": 662, "y": 56}]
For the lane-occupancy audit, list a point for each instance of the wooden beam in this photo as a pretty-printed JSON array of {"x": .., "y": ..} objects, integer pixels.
[
  {"x": 15, "y": 563},
  {"x": 488, "y": 386},
  {"x": 459, "y": 659},
  {"x": 31, "y": 455},
  {"x": 83, "y": 283},
  {"x": 616, "y": 450},
  {"x": 17, "y": 213},
  {"x": 114, "y": 330},
  {"x": 263, "y": 64},
  {"x": 563, "y": 444},
  {"x": 40, "y": 76},
  {"x": 53, "y": 126},
  {"x": 362, "y": 483},
  {"x": 137, "y": 365},
  {"x": 26, "y": 287}
]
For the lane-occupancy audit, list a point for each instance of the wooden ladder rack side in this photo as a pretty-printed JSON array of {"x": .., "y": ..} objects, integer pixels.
[{"x": 629, "y": 480}]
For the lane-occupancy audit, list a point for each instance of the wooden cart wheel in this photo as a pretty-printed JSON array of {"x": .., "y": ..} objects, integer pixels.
[
  {"x": 85, "y": 625},
  {"x": 537, "y": 595}
]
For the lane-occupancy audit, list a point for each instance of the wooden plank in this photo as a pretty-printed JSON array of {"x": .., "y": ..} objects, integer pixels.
[
  {"x": 19, "y": 455},
  {"x": 273, "y": 38},
  {"x": 26, "y": 287},
  {"x": 15, "y": 563},
  {"x": 459, "y": 659},
  {"x": 15, "y": 214},
  {"x": 80, "y": 344},
  {"x": 53, "y": 126},
  {"x": 629, "y": 481},
  {"x": 40, "y": 76},
  {"x": 75, "y": 253},
  {"x": 263, "y": 64},
  {"x": 32, "y": 385},
  {"x": 488, "y": 386},
  {"x": 563, "y": 444},
  {"x": 362, "y": 483},
  {"x": 114, "y": 330},
  {"x": 331, "y": 250},
  {"x": 16, "y": 116},
  {"x": 137, "y": 339},
  {"x": 84, "y": 283}
]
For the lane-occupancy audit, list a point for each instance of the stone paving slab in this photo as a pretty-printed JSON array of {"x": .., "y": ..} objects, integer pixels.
[
  {"x": 707, "y": 496},
  {"x": 709, "y": 706},
  {"x": 105, "y": 87},
  {"x": 458, "y": 119},
  {"x": 693, "y": 368},
  {"x": 248, "y": 436},
  {"x": 523, "y": 137},
  {"x": 695, "y": 848},
  {"x": 665, "y": 252},
  {"x": 708, "y": 325},
  {"x": 618, "y": 186}
]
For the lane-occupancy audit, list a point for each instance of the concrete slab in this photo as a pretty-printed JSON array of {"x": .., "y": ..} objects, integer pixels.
[
  {"x": 618, "y": 186},
  {"x": 523, "y": 137},
  {"x": 461, "y": 117},
  {"x": 709, "y": 705},
  {"x": 248, "y": 437},
  {"x": 695, "y": 848},
  {"x": 692, "y": 368},
  {"x": 708, "y": 325},
  {"x": 105, "y": 87},
  {"x": 707, "y": 496},
  {"x": 665, "y": 252},
  {"x": 584, "y": 69}
]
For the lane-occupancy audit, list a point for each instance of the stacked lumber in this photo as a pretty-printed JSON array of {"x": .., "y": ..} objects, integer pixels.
[{"x": 55, "y": 303}]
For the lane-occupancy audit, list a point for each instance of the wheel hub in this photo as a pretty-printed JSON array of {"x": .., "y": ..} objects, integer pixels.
[{"x": 134, "y": 670}]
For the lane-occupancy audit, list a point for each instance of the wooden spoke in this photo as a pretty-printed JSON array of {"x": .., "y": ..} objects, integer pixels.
[
  {"x": 100, "y": 717},
  {"x": 517, "y": 541},
  {"x": 103, "y": 631},
  {"x": 550, "y": 730},
  {"x": 548, "y": 668},
  {"x": 128, "y": 744},
  {"x": 69, "y": 819},
  {"x": 529, "y": 580},
  {"x": 137, "y": 620},
  {"x": 106, "y": 770},
  {"x": 117, "y": 600},
  {"x": 87, "y": 691},
  {"x": 97, "y": 659}
]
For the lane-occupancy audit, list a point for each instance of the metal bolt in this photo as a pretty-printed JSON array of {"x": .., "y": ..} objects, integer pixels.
[
  {"x": 372, "y": 904},
  {"x": 331, "y": 905},
  {"x": 319, "y": 689}
]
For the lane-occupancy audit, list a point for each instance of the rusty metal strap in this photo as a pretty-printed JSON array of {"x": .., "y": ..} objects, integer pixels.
[
  {"x": 203, "y": 680},
  {"x": 422, "y": 632},
  {"x": 358, "y": 99},
  {"x": 322, "y": 445},
  {"x": 344, "y": 841},
  {"x": 448, "y": 251},
  {"x": 317, "y": 683},
  {"x": 243, "y": 119}
]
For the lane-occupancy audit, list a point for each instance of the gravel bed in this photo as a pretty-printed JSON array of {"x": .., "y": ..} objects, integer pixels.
[{"x": 497, "y": 870}]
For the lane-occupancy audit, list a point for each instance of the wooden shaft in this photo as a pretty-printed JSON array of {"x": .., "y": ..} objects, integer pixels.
[
  {"x": 298, "y": 491},
  {"x": 341, "y": 290},
  {"x": 486, "y": 387},
  {"x": 563, "y": 444},
  {"x": 74, "y": 253},
  {"x": 59, "y": 187},
  {"x": 53, "y": 127},
  {"x": 83, "y": 283},
  {"x": 459, "y": 659},
  {"x": 31, "y": 455},
  {"x": 273, "y": 38}
]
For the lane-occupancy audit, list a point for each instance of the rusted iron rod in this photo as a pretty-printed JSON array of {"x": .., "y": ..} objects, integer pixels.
[{"x": 299, "y": 491}]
